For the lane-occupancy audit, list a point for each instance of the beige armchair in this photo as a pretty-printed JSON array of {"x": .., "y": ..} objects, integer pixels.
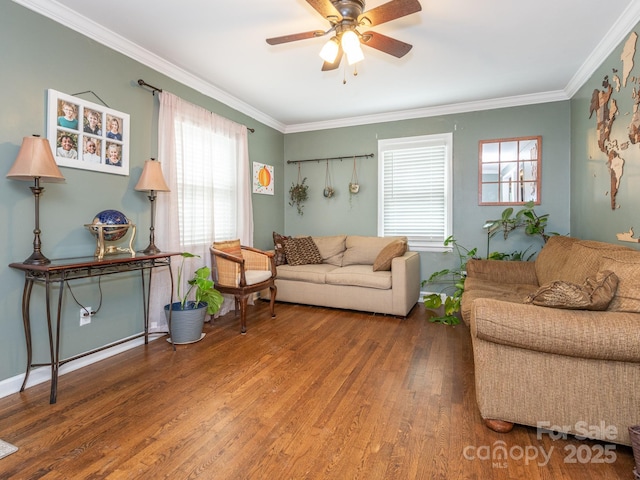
[{"x": 242, "y": 271}]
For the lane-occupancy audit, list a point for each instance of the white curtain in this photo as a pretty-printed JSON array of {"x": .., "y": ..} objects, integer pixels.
[{"x": 205, "y": 161}]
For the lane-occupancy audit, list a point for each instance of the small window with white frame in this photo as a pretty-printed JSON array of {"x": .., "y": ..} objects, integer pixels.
[{"x": 415, "y": 190}]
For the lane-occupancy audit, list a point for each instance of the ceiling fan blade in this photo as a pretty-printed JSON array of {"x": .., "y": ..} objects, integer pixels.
[
  {"x": 390, "y": 11},
  {"x": 386, "y": 44},
  {"x": 325, "y": 8},
  {"x": 295, "y": 36},
  {"x": 326, "y": 66}
]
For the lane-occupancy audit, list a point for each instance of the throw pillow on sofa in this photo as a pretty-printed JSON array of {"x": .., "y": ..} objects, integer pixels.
[
  {"x": 594, "y": 294},
  {"x": 302, "y": 251},
  {"x": 280, "y": 256},
  {"x": 397, "y": 248}
]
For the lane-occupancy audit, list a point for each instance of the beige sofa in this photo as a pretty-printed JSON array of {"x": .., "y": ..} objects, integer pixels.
[
  {"x": 574, "y": 371},
  {"x": 345, "y": 278}
]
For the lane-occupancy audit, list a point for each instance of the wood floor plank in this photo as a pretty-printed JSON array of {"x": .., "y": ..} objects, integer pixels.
[{"x": 314, "y": 393}]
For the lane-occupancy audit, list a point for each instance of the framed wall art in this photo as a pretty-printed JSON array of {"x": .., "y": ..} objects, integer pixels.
[
  {"x": 262, "y": 178},
  {"x": 86, "y": 135}
]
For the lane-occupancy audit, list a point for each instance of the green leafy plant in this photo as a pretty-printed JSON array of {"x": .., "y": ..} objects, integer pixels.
[
  {"x": 298, "y": 194},
  {"x": 516, "y": 255},
  {"x": 454, "y": 280},
  {"x": 203, "y": 285},
  {"x": 526, "y": 218}
]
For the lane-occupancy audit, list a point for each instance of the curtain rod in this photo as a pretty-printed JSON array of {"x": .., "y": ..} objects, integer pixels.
[
  {"x": 368, "y": 155},
  {"x": 142, "y": 83}
]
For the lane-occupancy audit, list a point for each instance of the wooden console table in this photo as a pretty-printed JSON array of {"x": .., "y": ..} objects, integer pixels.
[{"x": 62, "y": 270}]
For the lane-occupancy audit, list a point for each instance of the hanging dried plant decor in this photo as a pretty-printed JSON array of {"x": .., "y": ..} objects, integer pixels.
[
  {"x": 298, "y": 193},
  {"x": 328, "y": 191},
  {"x": 354, "y": 186}
]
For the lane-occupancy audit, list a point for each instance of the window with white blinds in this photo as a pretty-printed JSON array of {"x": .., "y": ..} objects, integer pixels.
[
  {"x": 415, "y": 189},
  {"x": 206, "y": 184}
]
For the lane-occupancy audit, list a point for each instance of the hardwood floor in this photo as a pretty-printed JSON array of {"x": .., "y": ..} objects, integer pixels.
[{"x": 313, "y": 394}]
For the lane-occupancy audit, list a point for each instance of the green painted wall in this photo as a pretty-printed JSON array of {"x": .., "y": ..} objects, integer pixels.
[
  {"x": 38, "y": 54},
  {"x": 358, "y": 214},
  {"x": 592, "y": 215},
  {"x": 573, "y": 173}
]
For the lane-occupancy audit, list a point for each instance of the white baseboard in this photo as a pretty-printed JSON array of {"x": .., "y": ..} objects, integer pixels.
[
  {"x": 424, "y": 294},
  {"x": 39, "y": 375}
]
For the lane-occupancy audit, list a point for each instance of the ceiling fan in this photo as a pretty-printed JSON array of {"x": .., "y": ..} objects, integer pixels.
[{"x": 345, "y": 16}]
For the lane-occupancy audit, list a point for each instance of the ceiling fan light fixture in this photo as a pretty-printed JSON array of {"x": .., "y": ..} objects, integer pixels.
[
  {"x": 356, "y": 55},
  {"x": 329, "y": 51},
  {"x": 351, "y": 47}
]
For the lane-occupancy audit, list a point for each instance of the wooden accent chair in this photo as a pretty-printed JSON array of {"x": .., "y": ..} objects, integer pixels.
[{"x": 242, "y": 271}]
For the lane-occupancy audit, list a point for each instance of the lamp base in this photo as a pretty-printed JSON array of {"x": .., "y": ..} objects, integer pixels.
[
  {"x": 37, "y": 258},
  {"x": 151, "y": 250}
]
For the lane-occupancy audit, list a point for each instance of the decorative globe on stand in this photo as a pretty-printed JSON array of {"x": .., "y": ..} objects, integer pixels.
[
  {"x": 111, "y": 226},
  {"x": 112, "y": 217}
]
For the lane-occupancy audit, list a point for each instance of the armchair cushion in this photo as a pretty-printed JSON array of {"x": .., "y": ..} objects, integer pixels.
[
  {"x": 232, "y": 247},
  {"x": 256, "y": 276}
]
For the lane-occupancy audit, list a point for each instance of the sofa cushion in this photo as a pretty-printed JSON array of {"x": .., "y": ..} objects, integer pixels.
[
  {"x": 312, "y": 273},
  {"x": 397, "y": 248},
  {"x": 359, "y": 276},
  {"x": 585, "y": 258},
  {"x": 364, "y": 250},
  {"x": 594, "y": 294},
  {"x": 475, "y": 288},
  {"x": 331, "y": 248},
  {"x": 626, "y": 266},
  {"x": 552, "y": 258},
  {"x": 301, "y": 251},
  {"x": 280, "y": 256}
]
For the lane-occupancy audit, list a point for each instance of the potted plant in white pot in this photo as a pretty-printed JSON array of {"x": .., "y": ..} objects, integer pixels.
[{"x": 187, "y": 315}]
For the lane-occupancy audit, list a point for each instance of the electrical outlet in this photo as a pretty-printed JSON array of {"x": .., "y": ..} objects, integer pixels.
[{"x": 85, "y": 316}]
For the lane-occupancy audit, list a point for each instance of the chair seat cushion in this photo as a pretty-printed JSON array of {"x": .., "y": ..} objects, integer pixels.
[{"x": 256, "y": 276}]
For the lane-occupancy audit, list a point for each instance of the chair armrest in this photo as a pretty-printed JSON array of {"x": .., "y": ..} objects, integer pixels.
[
  {"x": 502, "y": 271},
  {"x": 269, "y": 253},
  {"x": 226, "y": 256},
  {"x": 405, "y": 282},
  {"x": 227, "y": 269}
]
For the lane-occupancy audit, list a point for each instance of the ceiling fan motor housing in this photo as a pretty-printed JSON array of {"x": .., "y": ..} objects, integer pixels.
[{"x": 349, "y": 9}]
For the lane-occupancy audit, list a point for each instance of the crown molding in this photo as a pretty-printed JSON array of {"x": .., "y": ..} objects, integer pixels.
[
  {"x": 616, "y": 34},
  {"x": 515, "y": 101},
  {"x": 71, "y": 19}
]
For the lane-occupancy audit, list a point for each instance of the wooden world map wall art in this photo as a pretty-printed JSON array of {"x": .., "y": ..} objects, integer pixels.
[{"x": 605, "y": 107}]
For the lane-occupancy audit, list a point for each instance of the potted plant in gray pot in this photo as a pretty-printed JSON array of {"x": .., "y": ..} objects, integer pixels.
[{"x": 187, "y": 316}]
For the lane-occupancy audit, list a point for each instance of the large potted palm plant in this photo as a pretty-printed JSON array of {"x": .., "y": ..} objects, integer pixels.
[{"x": 189, "y": 312}]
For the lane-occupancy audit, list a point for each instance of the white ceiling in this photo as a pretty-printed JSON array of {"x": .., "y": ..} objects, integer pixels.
[{"x": 467, "y": 54}]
